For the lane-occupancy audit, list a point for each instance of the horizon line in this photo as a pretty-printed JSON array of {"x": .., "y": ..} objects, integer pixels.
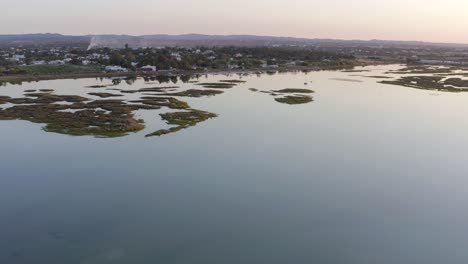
[{"x": 233, "y": 35}]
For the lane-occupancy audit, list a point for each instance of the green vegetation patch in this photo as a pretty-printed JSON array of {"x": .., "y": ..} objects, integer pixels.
[
  {"x": 47, "y": 98},
  {"x": 378, "y": 77},
  {"x": 150, "y": 89},
  {"x": 356, "y": 71},
  {"x": 195, "y": 93},
  {"x": 169, "y": 102},
  {"x": 424, "y": 69},
  {"x": 155, "y": 89},
  {"x": 294, "y": 90},
  {"x": 105, "y": 95},
  {"x": 100, "y": 86},
  {"x": 115, "y": 120},
  {"x": 59, "y": 69},
  {"x": 345, "y": 80},
  {"x": 182, "y": 120},
  {"x": 4, "y": 99},
  {"x": 129, "y": 91},
  {"x": 457, "y": 82},
  {"x": 78, "y": 115},
  {"x": 431, "y": 83},
  {"x": 232, "y": 81},
  {"x": 217, "y": 85},
  {"x": 294, "y": 99},
  {"x": 419, "y": 82}
]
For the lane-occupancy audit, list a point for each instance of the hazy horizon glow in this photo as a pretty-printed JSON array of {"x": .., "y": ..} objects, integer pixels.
[{"x": 425, "y": 20}]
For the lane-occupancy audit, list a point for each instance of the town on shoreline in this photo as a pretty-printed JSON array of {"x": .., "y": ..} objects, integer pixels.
[{"x": 47, "y": 62}]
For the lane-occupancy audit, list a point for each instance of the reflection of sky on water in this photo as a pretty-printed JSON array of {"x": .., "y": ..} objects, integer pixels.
[{"x": 367, "y": 173}]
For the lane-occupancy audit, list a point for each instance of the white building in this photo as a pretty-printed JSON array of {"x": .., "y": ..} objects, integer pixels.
[
  {"x": 208, "y": 52},
  {"x": 177, "y": 56},
  {"x": 115, "y": 69},
  {"x": 56, "y": 62},
  {"x": 148, "y": 68},
  {"x": 18, "y": 57},
  {"x": 41, "y": 62}
]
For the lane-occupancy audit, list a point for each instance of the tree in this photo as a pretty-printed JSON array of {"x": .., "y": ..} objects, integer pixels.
[
  {"x": 116, "y": 58},
  {"x": 76, "y": 61},
  {"x": 130, "y": 57}
]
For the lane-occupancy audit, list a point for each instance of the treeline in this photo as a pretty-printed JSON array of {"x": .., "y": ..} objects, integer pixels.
[
  {"x": 219, "y": 57},
  {"x": 187, "y": 58}
]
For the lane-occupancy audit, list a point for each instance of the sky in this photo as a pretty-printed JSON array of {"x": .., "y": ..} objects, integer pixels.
[{"x": 425, "y": 20}]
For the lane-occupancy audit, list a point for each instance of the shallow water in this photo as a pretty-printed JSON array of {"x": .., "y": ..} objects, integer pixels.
[{"x": 367, "y": 173}]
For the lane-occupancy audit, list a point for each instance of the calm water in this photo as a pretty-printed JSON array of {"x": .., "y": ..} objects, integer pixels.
[{"x": 367, "y": 173}]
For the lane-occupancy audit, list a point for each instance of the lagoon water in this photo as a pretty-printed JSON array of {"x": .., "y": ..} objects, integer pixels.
[{"x": 367, "y": 173}]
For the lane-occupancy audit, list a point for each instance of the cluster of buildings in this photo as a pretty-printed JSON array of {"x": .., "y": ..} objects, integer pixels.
[
  {"x": 115, "y": 68},
  {"x": 12, "y": 55},
  {"x": 53, "y": 56},
  {"x": 147, "y": 59}
]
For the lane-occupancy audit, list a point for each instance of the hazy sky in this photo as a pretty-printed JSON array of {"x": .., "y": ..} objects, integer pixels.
[{"x": 429, "y": 20}]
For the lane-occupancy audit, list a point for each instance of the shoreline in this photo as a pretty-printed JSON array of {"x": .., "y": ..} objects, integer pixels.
[{"x": 17, "y": 78}]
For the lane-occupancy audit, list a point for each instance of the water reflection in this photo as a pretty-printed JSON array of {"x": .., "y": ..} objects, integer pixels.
[{"x": 361, "y": 175}]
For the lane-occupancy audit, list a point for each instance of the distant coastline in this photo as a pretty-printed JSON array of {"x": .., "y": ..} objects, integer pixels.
[{"x": 17, "y": 78}]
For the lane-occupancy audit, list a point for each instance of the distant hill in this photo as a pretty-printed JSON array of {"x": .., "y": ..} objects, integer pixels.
[
  {"x": 190, "y": 40},
  {"x": 247, "y": 40},
  {"x": 47, "y": 39}
]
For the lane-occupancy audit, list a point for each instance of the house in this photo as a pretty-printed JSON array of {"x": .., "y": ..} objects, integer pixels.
[
  {"x": 208, "y": 52},
  {"x": 40, "y": 62},
  {"x": 18, "y": 57},
  {"x": 56, "y": 62},
  {"x": 232, "y": 66},
  {"x": 115, "y": 69},
  {"x": 177, "y": 56},
  {"x": 94, "y": 56},
  {"x": 266, "y": 65},
  {"x": 148, "y": 68}
]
